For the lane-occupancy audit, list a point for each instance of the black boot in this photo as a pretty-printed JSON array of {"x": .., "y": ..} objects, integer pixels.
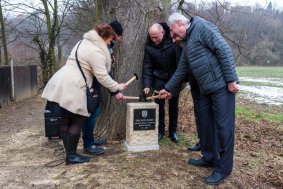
[
  {"x": 174, "y": 137},
  {"x": 216, "y": 178},
  {"x": 160, "y": 136},
  {"x": 71, "y": 151},
  {"x": 195, "y": 147},
  {"x": 63, "y": 136}
]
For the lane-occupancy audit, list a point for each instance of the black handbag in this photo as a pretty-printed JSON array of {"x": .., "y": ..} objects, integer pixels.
[{"x": 92, "y": 99}]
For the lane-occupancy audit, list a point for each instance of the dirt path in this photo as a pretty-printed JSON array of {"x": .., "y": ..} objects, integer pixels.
[
  {"x": 24, "y": 149},
  {"x": 25, "y": 152}
]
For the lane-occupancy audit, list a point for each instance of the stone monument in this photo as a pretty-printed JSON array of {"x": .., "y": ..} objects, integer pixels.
[{"x": 142, "y": 127}]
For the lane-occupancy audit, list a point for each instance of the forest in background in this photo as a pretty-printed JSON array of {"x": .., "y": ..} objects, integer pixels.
[{"x": 255, "y": 33}]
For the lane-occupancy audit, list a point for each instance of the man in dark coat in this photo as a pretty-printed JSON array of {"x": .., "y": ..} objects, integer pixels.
[
  {"x": 208, "y": 57},
  {"x": 159, "y": 64}
]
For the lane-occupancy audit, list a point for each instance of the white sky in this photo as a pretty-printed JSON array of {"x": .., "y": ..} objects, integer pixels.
[
  {"x": 278, "y": 4},
  {"x": 261, "y": 2}
]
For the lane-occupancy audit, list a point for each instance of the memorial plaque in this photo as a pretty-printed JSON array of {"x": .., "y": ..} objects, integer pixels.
[
  {"x": 142, "y": 127},
  {"x": 144, "y": 119}
]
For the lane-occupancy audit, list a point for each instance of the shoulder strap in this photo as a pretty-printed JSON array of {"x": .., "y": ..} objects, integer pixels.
[{"x": 78, "y": 63}]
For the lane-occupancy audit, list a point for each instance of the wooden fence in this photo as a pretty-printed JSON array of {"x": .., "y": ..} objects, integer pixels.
[{"x": 24, "y": 84}]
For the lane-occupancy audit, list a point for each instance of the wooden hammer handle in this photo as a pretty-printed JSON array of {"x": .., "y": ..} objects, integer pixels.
[
  {"x": 131, "y": 80},
  {"x": 152, "y": 97},
  {"x": 132, "y": 97}
]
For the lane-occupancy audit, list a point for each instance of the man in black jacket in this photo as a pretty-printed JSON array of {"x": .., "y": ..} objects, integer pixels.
[
  {"x": 208, "y": 57},
  {"x": 159, "y": 64}
]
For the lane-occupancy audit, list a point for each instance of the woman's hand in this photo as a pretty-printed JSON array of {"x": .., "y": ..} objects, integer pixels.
[
  {"x": 119, "y": 96},
  {"x": 122, "y": 86}
]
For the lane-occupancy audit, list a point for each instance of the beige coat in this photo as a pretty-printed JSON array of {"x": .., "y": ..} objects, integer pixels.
[{"x": 67, "y": 86}]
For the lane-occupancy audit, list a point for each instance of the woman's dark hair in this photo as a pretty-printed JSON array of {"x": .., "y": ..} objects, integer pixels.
[{"x": 104, "y": 30}]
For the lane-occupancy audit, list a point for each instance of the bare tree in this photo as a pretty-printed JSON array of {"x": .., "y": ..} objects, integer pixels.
[{"x": 42, "y": 23}]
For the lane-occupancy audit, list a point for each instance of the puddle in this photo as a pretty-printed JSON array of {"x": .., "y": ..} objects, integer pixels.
[{"x": 263, "y": 90}]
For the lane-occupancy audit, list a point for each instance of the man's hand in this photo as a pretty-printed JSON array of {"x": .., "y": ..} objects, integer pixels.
[
  {"x": 163, "y": 94},
  {"x": 122, "y": 86},
  {"x": 233, "y": 87},
  {"x": 119, "y": 96},
  {"x": 146, "y": 90}
]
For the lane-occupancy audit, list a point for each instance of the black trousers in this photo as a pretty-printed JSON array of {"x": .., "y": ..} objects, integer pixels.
[
  {"x": 217, "y": 123},
  {"x": 196, "y": 100},
  {"x": 173, "y": 114}
]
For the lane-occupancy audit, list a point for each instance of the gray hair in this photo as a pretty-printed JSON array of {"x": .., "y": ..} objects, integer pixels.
[{"x": 174, "y": 17}]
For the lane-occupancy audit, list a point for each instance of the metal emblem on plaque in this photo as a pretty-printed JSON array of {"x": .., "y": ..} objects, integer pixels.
[{"x": 144, "y": 119}]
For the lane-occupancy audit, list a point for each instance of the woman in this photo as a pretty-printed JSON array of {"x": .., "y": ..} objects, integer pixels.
[
  {"x": 90, "y": 144},
  {"x": 67, "y": 86}
]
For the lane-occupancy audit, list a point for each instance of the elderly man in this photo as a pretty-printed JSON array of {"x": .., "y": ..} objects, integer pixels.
[
  {"x": 159, "y": 64},
  {"x": 208, "y": 57}
]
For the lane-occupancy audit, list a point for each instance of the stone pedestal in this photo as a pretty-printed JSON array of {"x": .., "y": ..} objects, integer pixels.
[{"x": 142, "y": 127}]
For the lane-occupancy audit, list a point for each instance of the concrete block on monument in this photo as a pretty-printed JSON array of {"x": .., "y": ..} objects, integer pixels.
[{"x": 142, "y": 127}]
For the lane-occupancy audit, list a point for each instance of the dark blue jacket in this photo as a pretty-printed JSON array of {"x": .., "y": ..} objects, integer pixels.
[{"x": 207, "y": 56}]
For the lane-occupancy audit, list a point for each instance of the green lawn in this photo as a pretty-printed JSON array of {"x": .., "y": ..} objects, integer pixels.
[
  {"x": 250, "y": 115},
  {"x": 260, "y": 72}
]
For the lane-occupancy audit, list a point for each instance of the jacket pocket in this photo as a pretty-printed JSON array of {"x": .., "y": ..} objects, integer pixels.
[{"x": 212, "y": 71}]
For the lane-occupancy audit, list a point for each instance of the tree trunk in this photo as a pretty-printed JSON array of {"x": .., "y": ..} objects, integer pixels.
[
  {"x": 100, "y": 8},
  {"x": 52, "y": 24},
  {"x": 43, "y": 60},
  {"x": 136, "y": 16}
]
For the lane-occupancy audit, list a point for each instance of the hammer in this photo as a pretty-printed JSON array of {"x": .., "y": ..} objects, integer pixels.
[
  {"x": 133, "y": 97},
  {"x": 152, "y": 97},
  {"x": 146, "y": 98},
  {"x": 135, "y": 77},
  {"x": 141, "y": 98}
]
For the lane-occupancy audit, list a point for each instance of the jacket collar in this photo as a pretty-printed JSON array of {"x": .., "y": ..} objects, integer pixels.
[
  {"x": 94, "y": 38},
  {"x": 193, "y": 22}
]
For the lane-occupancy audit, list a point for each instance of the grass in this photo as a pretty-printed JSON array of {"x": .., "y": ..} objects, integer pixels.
[
  {"x": 253, "y": 116},
  {"x": 262, "y": 80},
  {"x": 249, "y": 83},
  {"x": 260, "y": 72},
  {"x": 167, "y": 143}
]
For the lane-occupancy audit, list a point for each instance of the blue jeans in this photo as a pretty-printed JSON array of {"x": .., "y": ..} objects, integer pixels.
[{"x": 87, "y": 129}]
